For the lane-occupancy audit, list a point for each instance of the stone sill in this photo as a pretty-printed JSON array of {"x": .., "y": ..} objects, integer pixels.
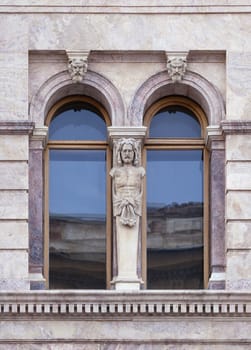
[{"x": 113, "y": 303}]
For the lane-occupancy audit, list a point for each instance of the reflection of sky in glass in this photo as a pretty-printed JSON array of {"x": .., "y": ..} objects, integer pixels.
[
  {"x": 77, "y": 182},
  {"x": 174, "y": 177},
  {"x": 174, "y": 122},
  {"x": 77, "y": 125}
]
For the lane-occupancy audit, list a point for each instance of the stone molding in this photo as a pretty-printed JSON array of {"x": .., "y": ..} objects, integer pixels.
[
  {"x": 193, "y": 86},
  {"x": 215, "y": 138},
  {"x": 16, "y": 127},
  {"x": 176, "y": 65},
  {"x": 236, "y": 127},
  {"x": 60, "y": 85},
  {"x": 109, "y": 303},
  {"x": 147, "y": 7}
]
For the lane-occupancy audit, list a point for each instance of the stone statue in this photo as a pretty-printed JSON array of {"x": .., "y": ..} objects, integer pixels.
[
  {"x": 127, "y": 183},
  {"x": 127, "y": 207}
]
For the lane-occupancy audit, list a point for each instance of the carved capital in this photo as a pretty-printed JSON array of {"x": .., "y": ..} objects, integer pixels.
[
  {"x": 214, "y": 137},
  {"x": 77, "y": 64},
  {"x": 176, "y": 65},
  {"x": 38, "y": 138}
]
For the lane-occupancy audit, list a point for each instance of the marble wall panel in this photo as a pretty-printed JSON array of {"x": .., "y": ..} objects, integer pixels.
[
  {"x": 13, "y": 147},
  {"x": 238, "y": 205},
  {"x": 141, "y": 32},
  {"x": 14, "y": 83},
  {"x": 128, "y": 331},
  {"x": 238, "y": 147},
  {"x": 238, "y": 235},
  {"x": 17, "y": 266},
  {"x": 238, "y": 272},
  {"x": 14, "y": 284},
  {"x": 14, "y": 67},
  {"x": 238, "y": 176},
  {"x": 14, "y": 205},
  {"x": 14, "y": 235},
  {"x": 238, "y": 85},
  {"x": 13, "y": 175}
]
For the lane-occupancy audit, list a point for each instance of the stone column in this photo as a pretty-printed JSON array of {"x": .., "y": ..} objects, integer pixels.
[
  {"x": 36, "y": 208},
  {"x": 216, "y": 145},
  {"x": 127, "y": 184}
]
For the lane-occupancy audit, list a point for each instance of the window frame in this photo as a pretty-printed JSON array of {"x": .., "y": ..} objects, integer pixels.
[
  {"x": 178, "y": 144},
  {"x": 78, "y": 145}
]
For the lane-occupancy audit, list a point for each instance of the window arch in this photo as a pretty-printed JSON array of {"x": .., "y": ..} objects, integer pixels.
[
  {"x": 176, "y": 242},
  {"x": 77, "y": 219}
]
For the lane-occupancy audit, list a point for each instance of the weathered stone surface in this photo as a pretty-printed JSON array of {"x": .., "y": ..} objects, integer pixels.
[
  {"x": 238, "y": 205},
  {"x": 238, "y": 176},
  {"x": 238, "y": 265},
  {"x": 14, "y": 67},
  {"x": 13, "y": 205},
  {"x": 13, "y": 235},
  {"x": 13, "y": 147},
  {"x": 17, "y": 266},
  {"x": 238, "y": 85},
  {"x": 238, "y": 235},
  {"x": 13, "y": 175},
  {"x": 238, "y": 147}
]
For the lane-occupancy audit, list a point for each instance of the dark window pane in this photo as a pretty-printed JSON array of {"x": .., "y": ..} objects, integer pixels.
[
  {"x": 175, "y": 122},
  {"x": 175, "y": 219},
  {"x": 77, "y": 123},
  {"x": 77, "y": 181}
]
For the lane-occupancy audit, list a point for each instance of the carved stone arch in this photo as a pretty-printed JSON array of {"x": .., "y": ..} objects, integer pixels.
[
  {"x": 193, "y": 86},
  {"x": 60, "y": 85}
]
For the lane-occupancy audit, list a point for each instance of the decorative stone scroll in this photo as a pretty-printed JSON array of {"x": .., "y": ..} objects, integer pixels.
[
  {"x": 176, "y": 65},
  {"x": 127, "y": 175},
  {"x": 77, "y": 65}
]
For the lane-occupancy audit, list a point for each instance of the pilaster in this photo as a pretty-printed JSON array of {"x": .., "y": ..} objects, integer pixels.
[
  {"x": 36, "y": 207},
  {"x": 216, "y": 145},
  {"x": 127, "y": 192}
]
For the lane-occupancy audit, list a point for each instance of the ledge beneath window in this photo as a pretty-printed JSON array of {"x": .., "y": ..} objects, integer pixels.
[{"x": 110, "y": 303}]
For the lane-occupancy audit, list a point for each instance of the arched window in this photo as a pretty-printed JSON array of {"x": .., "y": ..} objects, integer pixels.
[
  {"x": 176, "y": 196},
  {"x": 77, "y": 244}
]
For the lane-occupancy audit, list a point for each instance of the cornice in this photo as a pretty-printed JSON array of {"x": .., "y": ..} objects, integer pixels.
[
  {"x": 111, "y": 303},
  {"x": 16, "y": 127},
  {"x": 128, "y": 7},
  {"x": 236, "y": 127}
]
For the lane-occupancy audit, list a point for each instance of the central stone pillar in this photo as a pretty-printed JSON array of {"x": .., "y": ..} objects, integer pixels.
[{"x": 127, "y": 189}]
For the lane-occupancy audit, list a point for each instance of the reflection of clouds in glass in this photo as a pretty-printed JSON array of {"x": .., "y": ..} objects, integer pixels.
[
  {"x": 77, "y": 182},
  {"x": 174, "y": 177}
]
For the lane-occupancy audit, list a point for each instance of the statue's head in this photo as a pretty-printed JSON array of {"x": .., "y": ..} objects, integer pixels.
[{"x": 127, "y": 152}]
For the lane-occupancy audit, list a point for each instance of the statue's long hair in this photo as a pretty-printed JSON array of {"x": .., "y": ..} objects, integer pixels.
[{"x": 131, "y": 142}]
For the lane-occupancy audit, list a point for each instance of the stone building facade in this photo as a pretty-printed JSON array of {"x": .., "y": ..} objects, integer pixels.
[{"x": 126, "y": 61}]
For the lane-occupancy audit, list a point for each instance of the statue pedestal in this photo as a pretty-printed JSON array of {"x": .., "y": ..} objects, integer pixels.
[
  {"x": 125, "y": 283},
  {"x": 127, "y": 257}
]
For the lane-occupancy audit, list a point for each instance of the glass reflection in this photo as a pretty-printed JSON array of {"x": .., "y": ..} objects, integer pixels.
[
  {"x": 77, "y": 219},
  {"x": 175, "y": 219},
  {"x": 175, "y": 122},
  {"x": 82, "y": 122}
]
